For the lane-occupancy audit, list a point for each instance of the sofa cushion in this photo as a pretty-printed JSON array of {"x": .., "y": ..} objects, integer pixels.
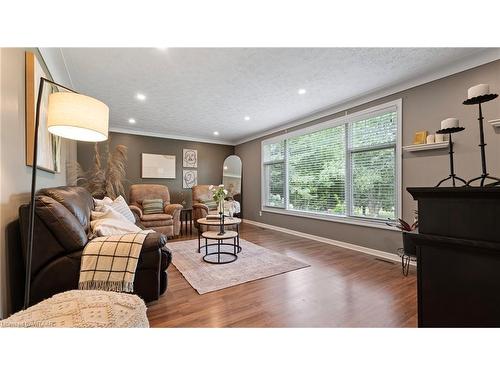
[
  {"x": 76, "y": 199},
  {"x": 63, "y": 225},
  {"x": 152, "y": 206}
]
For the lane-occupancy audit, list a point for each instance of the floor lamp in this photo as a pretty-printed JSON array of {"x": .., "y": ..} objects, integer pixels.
[{"x": 69, "y": 115}]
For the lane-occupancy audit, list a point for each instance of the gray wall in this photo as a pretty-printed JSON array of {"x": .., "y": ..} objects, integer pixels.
[
  {"x": 423, "y": 109},
  {"x": 15, "y": 176},
  {"x": 210, "y": 160}
]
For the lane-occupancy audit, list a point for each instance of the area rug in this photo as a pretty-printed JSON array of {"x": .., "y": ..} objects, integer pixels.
[{"x": 254, "y": 262}]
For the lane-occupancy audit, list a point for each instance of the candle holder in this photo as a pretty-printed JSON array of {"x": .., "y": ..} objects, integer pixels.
[
  {"x": 452, "y": 175},
  {"x": 484, "y": 175}
]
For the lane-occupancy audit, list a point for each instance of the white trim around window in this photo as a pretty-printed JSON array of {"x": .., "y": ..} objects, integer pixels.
[{"x": 347, "y": 219}]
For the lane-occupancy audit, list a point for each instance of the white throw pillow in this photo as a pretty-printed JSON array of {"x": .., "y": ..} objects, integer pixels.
[
  {"x": 108, "y": 222},
  {"x": 119, "y": 205}
]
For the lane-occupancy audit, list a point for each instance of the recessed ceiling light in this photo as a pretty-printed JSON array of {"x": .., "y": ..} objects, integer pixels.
[
  {"x": 302, "y": 91},
  {"x": 216, "y": 133},
  {"x": 140, "y": 97},
  {"x": 247, "y": 118},
  {"x": 131, "y": 120}
]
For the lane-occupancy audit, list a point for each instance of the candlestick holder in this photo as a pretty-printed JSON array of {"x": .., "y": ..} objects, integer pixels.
[
  {"x": 484, "y": 175},
  {"x": 452, "y": 175}
]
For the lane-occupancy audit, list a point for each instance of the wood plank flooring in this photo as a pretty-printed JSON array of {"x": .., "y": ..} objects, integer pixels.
[{"x": 342, "y": 288}]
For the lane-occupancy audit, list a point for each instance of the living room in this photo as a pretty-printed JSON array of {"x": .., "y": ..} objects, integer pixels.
[{"x": 259, "y": 186}]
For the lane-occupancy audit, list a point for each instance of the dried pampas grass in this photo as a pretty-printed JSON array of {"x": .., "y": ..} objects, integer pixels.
[
  {"x": 100, "y": 181},
  {"x": 115, "y": 172}
]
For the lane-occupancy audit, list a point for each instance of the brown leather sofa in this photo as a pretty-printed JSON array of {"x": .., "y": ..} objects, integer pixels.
[
  {"x": 62, "y": 224},
  {"x": 168, "y": 222}
]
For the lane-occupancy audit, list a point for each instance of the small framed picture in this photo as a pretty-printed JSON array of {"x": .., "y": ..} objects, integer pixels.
[
  {"x": 189, "y": 178},
  {"x": 189, "y": 158},
  {"x": 420, "y": 137}
]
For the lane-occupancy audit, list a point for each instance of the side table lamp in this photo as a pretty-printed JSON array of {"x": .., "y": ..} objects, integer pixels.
[{"x": 69, "y": 115}]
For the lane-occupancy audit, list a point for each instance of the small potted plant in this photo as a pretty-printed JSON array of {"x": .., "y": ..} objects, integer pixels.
[{"x": 409, "y": 246}]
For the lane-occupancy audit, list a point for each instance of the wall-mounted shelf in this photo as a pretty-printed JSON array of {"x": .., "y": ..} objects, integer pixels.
[
  {"x": 427, "y": 146},
  {"x": 495, "y": 123}
]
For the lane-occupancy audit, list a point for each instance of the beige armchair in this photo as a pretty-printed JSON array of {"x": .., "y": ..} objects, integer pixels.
[
  {"x": 203, "y": 203},
  {"x": 168, "y": 222}
]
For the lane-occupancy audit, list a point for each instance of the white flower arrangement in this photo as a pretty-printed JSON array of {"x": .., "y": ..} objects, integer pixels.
[{"x": 219, "y": 194}]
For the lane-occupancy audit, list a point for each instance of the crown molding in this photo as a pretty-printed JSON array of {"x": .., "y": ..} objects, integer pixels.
[
  {"x": 476, "y": 60},
  {"x": 169, "y": 136}
]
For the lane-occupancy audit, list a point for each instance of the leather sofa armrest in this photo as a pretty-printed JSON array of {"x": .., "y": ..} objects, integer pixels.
[
  {"x": 153, "y": 242},
  {"x": 136, "y": 210}
]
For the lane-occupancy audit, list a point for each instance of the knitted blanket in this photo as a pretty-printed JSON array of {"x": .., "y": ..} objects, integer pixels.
[{"x": 109, "y": 263}]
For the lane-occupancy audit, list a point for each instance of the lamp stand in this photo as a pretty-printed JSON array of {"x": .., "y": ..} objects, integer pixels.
[{"x": 31, "y": 215}]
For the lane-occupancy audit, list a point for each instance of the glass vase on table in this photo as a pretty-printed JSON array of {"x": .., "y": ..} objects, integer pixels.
[
  {"x": 219, "y": 195},
  {"x": 221, "y": 215}
]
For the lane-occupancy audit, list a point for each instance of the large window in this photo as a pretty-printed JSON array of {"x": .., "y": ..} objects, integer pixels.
[{"x": 346, "y": 168}]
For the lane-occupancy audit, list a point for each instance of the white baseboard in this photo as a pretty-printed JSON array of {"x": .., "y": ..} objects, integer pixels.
[{"x": 346, "y": 245}]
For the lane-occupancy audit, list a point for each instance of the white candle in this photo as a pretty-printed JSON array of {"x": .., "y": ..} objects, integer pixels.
[
  {"x": 449, "y": 123},
  {"x": 478, "y": 90}
]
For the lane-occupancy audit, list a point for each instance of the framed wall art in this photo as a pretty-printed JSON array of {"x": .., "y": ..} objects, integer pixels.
[
  {"x": 189, "y": 178},
  {"x": 158, "y": 166},
  {"x": 49, "y": 146},
  {"x": 189, "y": 158}
]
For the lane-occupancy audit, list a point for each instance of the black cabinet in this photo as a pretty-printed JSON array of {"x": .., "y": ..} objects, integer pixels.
[{"x": 458, "y": 250}]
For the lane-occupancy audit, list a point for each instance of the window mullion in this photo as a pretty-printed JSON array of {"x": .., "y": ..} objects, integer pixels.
[
  {"x": 348, "y": 173},
  {"x": 287, "y": 194}
]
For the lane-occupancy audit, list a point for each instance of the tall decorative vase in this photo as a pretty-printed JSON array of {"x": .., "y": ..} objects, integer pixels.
[{"x": 221, "y": 215}]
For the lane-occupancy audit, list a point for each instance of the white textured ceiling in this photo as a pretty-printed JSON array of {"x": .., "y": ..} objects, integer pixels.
[{"x": 192, "y": 92}]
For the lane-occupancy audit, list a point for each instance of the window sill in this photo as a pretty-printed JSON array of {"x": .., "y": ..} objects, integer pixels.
[{"x": 379, "y": 224}]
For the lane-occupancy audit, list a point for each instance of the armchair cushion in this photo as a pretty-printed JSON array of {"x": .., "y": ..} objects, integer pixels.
[
  {"x": 156, "y": 217},
  {"x": 152, "y": 206}
]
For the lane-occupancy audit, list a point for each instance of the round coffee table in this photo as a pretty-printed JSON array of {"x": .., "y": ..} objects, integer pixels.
[
  {"x": 220, "y": 256},
  {"x": 228, "y": 221}
]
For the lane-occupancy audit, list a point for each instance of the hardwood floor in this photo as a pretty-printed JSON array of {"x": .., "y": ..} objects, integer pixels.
[{"x": 342, "y": 288}]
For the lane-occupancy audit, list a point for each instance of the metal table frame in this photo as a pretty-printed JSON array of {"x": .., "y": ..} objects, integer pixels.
[
  {"x": 218, "y": 253},
  {"x": 218, "y": 224}
]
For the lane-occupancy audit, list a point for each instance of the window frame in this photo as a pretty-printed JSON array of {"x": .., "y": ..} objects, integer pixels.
[{"x": 348, "y": 218}]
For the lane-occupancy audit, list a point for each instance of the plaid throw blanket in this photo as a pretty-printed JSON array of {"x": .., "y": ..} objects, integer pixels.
[{"x": 109, "y": 263}]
